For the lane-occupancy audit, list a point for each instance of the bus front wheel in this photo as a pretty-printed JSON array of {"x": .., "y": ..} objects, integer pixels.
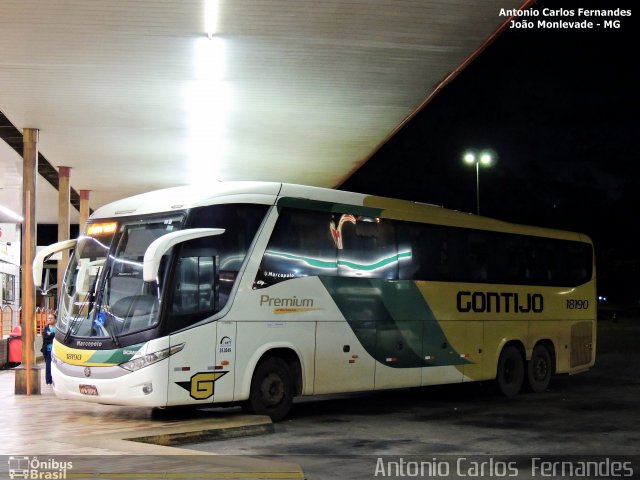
[
  {"x": 539, "y": 369},
  {"x": 271, "y": 389},
  {"x": 510, "y": 371}
]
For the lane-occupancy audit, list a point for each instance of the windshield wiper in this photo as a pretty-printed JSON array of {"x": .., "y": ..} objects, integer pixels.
[
  {"x": 89, "y": 301},
  {"x": 103, "y": 315},
  {"x": 74, "y": 322},
  {"x": 113, "y": 336}
]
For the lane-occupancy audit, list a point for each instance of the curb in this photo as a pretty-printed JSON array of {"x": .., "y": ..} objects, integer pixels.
[{"x": 180, "y": 438}]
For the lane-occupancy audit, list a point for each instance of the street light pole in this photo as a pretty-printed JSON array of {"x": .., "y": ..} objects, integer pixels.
[
  {"x": 478, "y": 187},
  {"x": 485, "y": 159}
]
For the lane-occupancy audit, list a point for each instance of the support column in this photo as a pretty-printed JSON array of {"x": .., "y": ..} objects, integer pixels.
[
  {"x": 84, "y": 209},
  {"x": 27, "y": 380},
  {"x": 64, "y": 201}
]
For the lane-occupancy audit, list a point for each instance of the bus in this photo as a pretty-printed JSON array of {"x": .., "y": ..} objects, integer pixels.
[{"x": 254, "y": 293}]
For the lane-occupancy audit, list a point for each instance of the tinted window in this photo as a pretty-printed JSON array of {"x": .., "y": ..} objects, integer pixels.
[
  {"x": 368, "y": 248},
  {"x": 307, "y": 243},
  {"x": 302, "y": 244},
  {"x": 196, "y": 295},
  {"x": 429, "y": 252},
  {"x": 195, "y": 289},
  {"x": 441, "y": 253}
]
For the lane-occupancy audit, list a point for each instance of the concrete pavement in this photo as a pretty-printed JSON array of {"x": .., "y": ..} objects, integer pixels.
[{"x": 45, "y": 426}]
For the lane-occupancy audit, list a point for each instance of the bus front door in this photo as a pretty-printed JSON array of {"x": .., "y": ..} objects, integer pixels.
[{"x": 192, "y": 371}]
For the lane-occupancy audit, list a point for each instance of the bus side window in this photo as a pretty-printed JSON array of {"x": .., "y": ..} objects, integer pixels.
[
  {"x": 195, "y": 291},
  {"x": 579, "y": 258},
  {"x": 301, "y": 245},
  {"x": 478, "y": 253},
  {"x": 420, "y": 251},
  {"x": 369, "y": 249},
  {"x": 241, "y": 222},
  {"x": 196, "y": 294},
  {"x": 195, "y": 288}
]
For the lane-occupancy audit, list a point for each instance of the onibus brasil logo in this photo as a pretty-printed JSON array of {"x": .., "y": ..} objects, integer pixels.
[{"x": 35, "y": 468}]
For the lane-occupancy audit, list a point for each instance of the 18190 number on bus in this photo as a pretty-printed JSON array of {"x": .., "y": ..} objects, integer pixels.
[{"x": 573, "y": 304}]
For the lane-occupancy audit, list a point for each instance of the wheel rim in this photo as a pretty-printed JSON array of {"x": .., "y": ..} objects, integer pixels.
[
  {"x": 272, "y": 389},
  {"x": 540, "y": 369},
  {"x": 508, "y": 371}
]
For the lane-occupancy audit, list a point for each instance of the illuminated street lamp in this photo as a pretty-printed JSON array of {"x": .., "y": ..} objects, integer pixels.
[{"x": 483, "y": 158}]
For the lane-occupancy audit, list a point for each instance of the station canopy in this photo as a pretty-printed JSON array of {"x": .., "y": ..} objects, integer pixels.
[{"x": 146, "y": 94}]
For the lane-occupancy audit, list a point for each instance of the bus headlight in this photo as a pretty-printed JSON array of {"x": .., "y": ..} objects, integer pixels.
[{"x": 150, "y": 358}]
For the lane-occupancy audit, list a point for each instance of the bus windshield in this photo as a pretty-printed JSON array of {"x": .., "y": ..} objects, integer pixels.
[{"x": 104, "y": 294}]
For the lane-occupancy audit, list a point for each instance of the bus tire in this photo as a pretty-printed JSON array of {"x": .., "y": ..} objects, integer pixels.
[
  {"x": 271, "y": 389},
  {"x": 539, "y": 369},
  {"x": 510, "y": 371}
]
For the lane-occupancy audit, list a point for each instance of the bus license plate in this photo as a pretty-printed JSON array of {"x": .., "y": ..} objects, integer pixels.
[{"x": 88, "y": 390}]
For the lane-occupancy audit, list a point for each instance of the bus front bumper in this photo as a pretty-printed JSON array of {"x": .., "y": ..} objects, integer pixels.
[{"x": 146, "y": 387}]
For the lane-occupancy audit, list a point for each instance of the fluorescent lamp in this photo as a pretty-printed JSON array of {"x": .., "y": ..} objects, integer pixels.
[
  {"x": 211, "y": 17},
  {"x": 208, "y": 100}
]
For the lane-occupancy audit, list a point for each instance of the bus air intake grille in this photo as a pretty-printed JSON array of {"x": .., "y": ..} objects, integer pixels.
[{"x": 581, "y": 343}]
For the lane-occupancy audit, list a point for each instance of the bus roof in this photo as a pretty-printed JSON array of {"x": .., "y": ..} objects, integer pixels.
[{"x": 269, "y": 193}]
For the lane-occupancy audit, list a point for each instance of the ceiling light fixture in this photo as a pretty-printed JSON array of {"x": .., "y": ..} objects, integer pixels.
[
  {"x": 208, "y": 101},
  {"x": 211, "y": 17}
]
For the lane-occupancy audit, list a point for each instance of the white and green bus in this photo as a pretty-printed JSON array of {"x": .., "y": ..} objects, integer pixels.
[{"x": 255, "y": 293}]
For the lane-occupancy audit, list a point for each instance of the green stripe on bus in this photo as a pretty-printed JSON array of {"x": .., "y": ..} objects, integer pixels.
[
  {"x": 314, "y": 262},
  {"x": 332, "y": 264},
  {"x": 115, "y": 356},
  {"x": 391, "y": 319}
]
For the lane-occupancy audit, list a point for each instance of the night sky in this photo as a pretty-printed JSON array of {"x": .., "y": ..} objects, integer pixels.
[{"x": 560, "y": 109}]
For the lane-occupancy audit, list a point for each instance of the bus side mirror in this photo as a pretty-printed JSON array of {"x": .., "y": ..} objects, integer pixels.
[
  {"x": 42, "y": 255},
  {"x": 161, "y": 245}
]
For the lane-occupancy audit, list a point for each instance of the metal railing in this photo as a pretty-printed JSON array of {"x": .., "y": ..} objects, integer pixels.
[
  {"x": 8, "y": 318},
  {"x": 41, "y": 319},
  {"x": 11, "y": 316}
]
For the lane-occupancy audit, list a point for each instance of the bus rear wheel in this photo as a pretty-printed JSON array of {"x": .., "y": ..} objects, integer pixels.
[
  {"x": 539, "y": 369},
  {"x": 510, "y": 371},
  {"x": 271, "y": 389}
]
